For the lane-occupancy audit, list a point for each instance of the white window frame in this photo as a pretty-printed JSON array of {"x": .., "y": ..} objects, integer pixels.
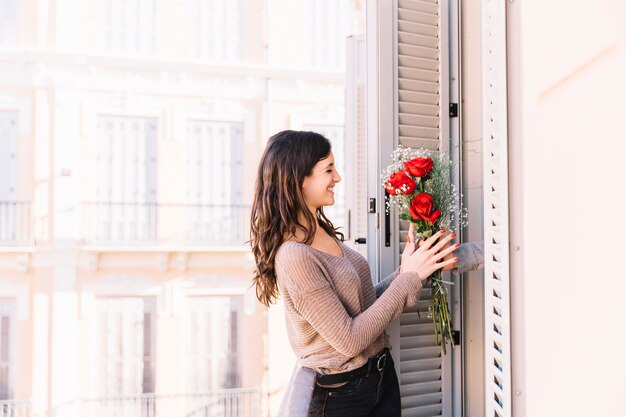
[
  {"x": 116, "y": 34},
  {"x": 237, "y": 301},
  {"x": 146, "y": 226},
  {"x": 215, "y": 30},
  {"x": 328, "y": 23},
  {"x": 8, "y": 309},
  {"x": 206, "y": 195},
  {"x": 149, "y": 307},
  {"x": 9, "y": 23}
]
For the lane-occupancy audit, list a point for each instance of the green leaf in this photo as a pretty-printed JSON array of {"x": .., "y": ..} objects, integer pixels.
[{"x": 404, "y": 216}]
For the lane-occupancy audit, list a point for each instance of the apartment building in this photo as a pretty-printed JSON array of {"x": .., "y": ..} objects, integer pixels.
[{"x": 130, "y": 133}]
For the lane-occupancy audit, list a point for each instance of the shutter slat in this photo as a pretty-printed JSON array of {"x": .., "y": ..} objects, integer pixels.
[
  {"x": 418, "y": 28},
  {"x": 427, "y": 19},
  {"x": 423, "y": 375},
  {"x": 408, "y": 38},
  {"x": 416, "y": 119},
  {"x": 419, "y": 388},
  {"x": 423, "y": 411},
  {"x": 424, "y": 63},
  {"x": 419, "y": 86},
  {"x": 419, "y": 132},
  {"x": 418, "y": 75},
  {"x": 419, "y": 6},
  {"x": 421, "y": 52}
]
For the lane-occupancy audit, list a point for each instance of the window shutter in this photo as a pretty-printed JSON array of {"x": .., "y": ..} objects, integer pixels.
[
  {"x": 496, "y": 209},
  {"x": 7, "y": 334},
  {"x": 129, "y": 26},
  {"x": 422, "y": 122},
  {"x": 11, "y": 213},
  {"x": 216, "y": 30},
  {"x": 329, "y": 23},
  {"x": 127, "y": 178},
  {"x": 9, "y": 27},
  {"x": 8, "y": 156},
  {"x": 419, "y": 119},
  {"x": 213, "y": 359},
  {"x": 120, "y": 346},
  {"x": 214, "y": 185}
]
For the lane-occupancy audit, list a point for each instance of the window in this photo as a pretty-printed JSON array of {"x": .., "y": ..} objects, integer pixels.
[
  {"x": 329, "y": 25},
  {"x": 214, "y": 342},
  {"x": 336, "y": 134},
  {"x": 11, "y": 211},
  {"x": 129, "y": 26},
  {"x": 125, "y": 346},
  {"x": 7, "y": 334},
  {"x": 216, "y": 30},
  {"x": 9, "y": 23},
  {"x": 214, "y": 182},
  {"x": 125, "y": 206}
]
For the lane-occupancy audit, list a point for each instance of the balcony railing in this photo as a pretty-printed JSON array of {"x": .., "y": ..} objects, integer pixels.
[
  {"x": 235, "y": 402},
  {"x": 15, "y": 223},
  {"x": 15, "y": 408},
  {"x": 151, "y": 223}
]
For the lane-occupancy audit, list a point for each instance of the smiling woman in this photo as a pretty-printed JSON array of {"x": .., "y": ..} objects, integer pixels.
[{"x": 335, "y": 316}]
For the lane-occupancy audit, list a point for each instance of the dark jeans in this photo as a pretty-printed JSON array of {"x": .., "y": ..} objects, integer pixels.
[{"x": 377, "y": 394}]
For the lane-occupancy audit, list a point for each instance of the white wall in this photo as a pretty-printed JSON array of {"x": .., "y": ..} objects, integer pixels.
[{"x": 567, "y": 61}]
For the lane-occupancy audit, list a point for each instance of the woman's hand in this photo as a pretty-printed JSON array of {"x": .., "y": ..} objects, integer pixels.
[{"x": 428, "y": 257}]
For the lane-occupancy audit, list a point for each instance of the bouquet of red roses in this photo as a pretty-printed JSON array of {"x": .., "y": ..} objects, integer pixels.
[{"x": 419, "y": 189}]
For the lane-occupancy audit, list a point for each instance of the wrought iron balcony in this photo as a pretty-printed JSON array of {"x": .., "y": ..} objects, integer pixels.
[
  {"x": 15, "y": 223},
  {"x": 119, "y": 223},
  {"x": 234, "y": 402},
  {"x": 15, "y": 408}
]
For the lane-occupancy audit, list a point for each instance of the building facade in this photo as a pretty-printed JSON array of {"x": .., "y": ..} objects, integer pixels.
[{"x": 130, "y": 133}]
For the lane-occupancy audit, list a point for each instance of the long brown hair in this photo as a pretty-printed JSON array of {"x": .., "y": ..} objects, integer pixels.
[{"x": 278, "y": 202}]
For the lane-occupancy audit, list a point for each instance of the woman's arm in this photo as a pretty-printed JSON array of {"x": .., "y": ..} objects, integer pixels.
[
  {"x": 315, "y": 301},
  {"x": 471, "y": 256},
  {"x": 385, "y": 283}
]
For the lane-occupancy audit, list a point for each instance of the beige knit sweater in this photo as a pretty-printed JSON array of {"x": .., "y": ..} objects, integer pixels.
[{"x": 335, "y": 317}]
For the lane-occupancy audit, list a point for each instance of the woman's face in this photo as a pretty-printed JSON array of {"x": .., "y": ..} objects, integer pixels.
[{"x": 318, "y": 188}]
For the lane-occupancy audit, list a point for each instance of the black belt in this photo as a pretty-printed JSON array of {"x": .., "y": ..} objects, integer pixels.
[{"x": 377, "y": 362}]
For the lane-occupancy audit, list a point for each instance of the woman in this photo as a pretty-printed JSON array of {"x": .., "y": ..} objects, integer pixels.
[{"x": 335, "y": 317}]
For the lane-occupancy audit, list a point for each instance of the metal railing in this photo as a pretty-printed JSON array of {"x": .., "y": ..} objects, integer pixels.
[
  {"x": 234, "y": 402},
  {"x": 15, "y": 408},
  {"x": 152, "y": 223},
  {"x": 15, "y": 223}
]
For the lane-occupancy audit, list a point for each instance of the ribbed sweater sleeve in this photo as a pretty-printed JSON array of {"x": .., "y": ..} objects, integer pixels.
[
  {"x": 385, "y": 283},
  {"x": 316, "y": 301},
  {"x": 471, "y": 256}
]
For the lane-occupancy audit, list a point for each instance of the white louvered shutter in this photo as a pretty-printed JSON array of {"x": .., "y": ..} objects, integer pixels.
[
  {"x": 496, "y": 209},
  {"x": 214, "y": 183},
  {"x": 216, "y": 30},
  {"x": 7, "y": 339},
  {"x": 328, "y": 22},
  {"x": 420, "y": 119},
  {"x": 213, "y": 335},
  {"x": 126, "y": 179},
  {"x": 422, "y": 122},
  {"x": 120, "y": 346},
  {"x": 10, "y": 209},
  {"x": 129, "y": 26},
  {"x": 9, "y": 26},
  {"x": 355, "y": 178}
]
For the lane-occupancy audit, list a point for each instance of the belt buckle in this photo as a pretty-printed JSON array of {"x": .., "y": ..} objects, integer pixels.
[{"x": 382, "y": 358}]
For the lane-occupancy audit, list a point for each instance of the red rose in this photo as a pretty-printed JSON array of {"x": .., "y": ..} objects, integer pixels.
[
  {"x": 419, "y": 167},
  {"x": 421, "y": 208},
  {"x": 400, "y": 183}
]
